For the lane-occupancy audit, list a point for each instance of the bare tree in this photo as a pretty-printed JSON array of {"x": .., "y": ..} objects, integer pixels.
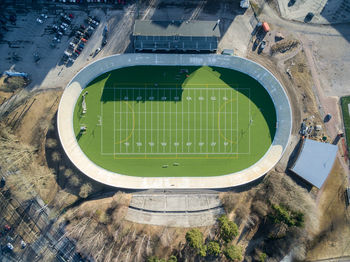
[{"x": 85, "y": 190}]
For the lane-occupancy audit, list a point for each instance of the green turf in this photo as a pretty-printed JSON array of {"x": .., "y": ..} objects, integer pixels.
[
  {"x": 175, "y": 121},
  {"x": 345, "y": 101}
]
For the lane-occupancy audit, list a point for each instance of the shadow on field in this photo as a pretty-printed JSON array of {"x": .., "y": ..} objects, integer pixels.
[
  {"x": 145, "y": 83},
  {"x": 253, "y": 90}
]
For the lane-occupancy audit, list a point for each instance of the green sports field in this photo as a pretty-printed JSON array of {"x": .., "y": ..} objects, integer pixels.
[{"x": 174, "y": 121}]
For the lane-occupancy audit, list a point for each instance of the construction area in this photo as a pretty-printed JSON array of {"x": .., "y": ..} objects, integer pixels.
[{"x": 51, "y": 211}]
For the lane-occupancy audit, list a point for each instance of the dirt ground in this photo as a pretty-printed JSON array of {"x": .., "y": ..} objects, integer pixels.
[{"x": 333, "y": 239}]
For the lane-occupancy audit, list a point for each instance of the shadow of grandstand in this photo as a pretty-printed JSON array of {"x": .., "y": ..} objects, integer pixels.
[
  {"x": 149, "y": 83},
  {"x": 256, "y": 93}
]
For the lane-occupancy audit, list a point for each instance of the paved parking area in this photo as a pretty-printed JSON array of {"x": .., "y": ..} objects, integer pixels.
[
  {"x": 325, "y": 11},
  {"x": 29, "y": 37}
]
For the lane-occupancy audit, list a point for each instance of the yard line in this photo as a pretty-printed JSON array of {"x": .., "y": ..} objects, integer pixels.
[
  {"x": 232, "y": 122},
  {"x": 200, "y": 121},
  {"x": 102, "y": 125},
  {"x": 213, "y": 123},
  {"x": 139, "y": 138},
  {"x": 120, "y": 121},
  {"x": 173, "y": 129},
  {"x": 176, "y": 120},
  {"x": 182, "y": 124},
  {"x": 188, "y": 121},
  {"x": 170, "y": 121},
  {"x": 207, "y": 119},
  {"x": 237, "y": 118},
  {"x": 133, "y": 139},
  {"x": 114, "y": 123},
  {"x": 219, "y": 118},
  {"x": 126, "y": 120},
  {"x": 194, "y": 119},
  {"x": 164, "y": 124},
  {"x": 145, "y": 120},
  {"x": 158, "y": 127},
  {"x": 249, "y": 122},
  {"x": 225, "y": 123},
  {"x": 204, "y": 153},
  {"x": 151, "y": 102}
]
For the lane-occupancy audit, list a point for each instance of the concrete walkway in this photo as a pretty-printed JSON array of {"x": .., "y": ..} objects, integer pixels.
[{"x": 175, "y": 210}]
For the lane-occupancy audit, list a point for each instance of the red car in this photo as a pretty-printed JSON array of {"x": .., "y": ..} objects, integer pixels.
[
  {"x": 83, "y": 40},
  {"x": 71, "y": 16},
  {"x": 78, "y": 52}
]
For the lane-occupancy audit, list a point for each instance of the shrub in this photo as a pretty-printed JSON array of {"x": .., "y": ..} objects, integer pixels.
[
  {"x": 262, "y": 257},
  {"x": 233, "y": 253},
  {"x": 203, "y": 251},
  {"x": 282, "y": 214},
  {"x": 85, "y": 190},
  {"x": 172, "y": 259},
  {"x": 213, "y": 248},
  {"x": 228, "y": 229},
  {"x": 74, "y": 180},
  {"x": 155, "y": 259},
  {"x": 194, "y": 238}
]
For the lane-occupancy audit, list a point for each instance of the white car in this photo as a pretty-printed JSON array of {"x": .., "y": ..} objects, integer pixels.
[
  {"x": 39, "y": 21},
  {"x": 43, "y": 16}
]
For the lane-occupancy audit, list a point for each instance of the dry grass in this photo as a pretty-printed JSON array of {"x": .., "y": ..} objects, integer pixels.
[
  {"x": 334, "y": 233},
  {"x": 284, "y": 46}
]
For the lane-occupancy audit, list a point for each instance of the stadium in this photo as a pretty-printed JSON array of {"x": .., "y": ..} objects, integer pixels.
[{"x": 174, "y": 121}]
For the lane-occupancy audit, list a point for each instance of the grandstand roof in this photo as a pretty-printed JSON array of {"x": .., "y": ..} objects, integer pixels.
[
  {"x": 180, "y": 28},
  {"x": 315, "y": 161}
]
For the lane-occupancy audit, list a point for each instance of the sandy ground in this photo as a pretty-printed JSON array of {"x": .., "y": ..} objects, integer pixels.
[{"x": 333, "y": 240}]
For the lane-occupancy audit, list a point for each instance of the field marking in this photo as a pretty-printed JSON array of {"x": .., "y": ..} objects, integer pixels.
[
  {"x": 176, "y": 157},
  {"x": 186, "y": 88},
  {"x": 114, "y": 122},
  {"x": 133, "y": 125},
  {"x": 188, "y": 130},
  {"x": 169, "y": 84}
]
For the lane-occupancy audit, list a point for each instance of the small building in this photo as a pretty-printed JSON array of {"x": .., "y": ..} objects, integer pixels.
[
  {"x": 315, "y": 161},
  {"x": 183, "y": 36}
]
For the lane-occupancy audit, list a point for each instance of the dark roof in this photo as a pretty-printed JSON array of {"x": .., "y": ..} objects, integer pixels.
[
  {"x": 315, "y": 161},
  {"x": 179, "y": 28}
]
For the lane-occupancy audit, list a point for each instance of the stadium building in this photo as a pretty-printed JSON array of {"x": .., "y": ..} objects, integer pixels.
[{"x": 200, "y": 36}]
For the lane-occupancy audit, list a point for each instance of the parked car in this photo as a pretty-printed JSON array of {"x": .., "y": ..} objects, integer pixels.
[
  {"x": 262, "y": 46},
  {"x": 65, "y": 25},
  {"x": 77, "y": 51},
  {"x": 43, "y": 16},
  {"x": 63, "y": 28},
  {"x": 39, "y": 21},
  {"x": 71, "y": 16},
  {"x": 75, "y": 40},
  {"x": 55, "y": 28},
  {"x": 83, "y": 40}
]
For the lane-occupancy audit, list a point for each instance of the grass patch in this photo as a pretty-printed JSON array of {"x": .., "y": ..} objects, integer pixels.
[{"x": 175, "y": 121}]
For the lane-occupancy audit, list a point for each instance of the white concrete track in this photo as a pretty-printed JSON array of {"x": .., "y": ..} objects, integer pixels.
[{"x": 90, "y": 72}]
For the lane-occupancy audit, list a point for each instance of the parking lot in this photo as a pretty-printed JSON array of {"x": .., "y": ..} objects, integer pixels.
[{"x": 52, "y": 45}]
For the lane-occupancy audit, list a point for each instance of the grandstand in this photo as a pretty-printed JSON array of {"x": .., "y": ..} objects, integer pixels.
[{"x": 200, "y": 36}]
